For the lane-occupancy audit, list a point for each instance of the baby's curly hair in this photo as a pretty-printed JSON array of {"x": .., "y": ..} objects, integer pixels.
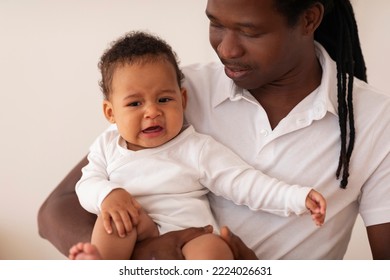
[{"x": 135, "y": 47}]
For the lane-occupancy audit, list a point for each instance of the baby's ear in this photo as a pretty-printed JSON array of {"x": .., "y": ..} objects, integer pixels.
[
  {"x": 108, "y": 111},
  {"x": 184, "y": 97}
]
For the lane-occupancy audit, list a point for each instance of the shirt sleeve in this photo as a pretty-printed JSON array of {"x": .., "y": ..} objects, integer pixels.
[
  {"x": 227, "y": 175},
  {"x": 94, "y": 185},
  {"x": 374, "y": 202}
]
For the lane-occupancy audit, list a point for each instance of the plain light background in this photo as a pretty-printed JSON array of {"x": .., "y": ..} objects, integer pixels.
[{"x": 50, "y": 108}]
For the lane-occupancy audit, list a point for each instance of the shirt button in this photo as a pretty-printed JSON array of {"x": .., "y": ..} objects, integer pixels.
[{"x": 264, "y": 132}]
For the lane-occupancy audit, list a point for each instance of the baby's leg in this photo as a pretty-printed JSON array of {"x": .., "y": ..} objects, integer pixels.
[
  {"x": 111, "y": 246},
  {"x": 146, "y": 227},
  {"x": 207, "y": 247}
]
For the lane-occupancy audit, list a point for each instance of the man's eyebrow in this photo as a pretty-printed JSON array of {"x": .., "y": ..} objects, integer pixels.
[
  {"x": 238, "y": 24},
  {"x": 249, "y": 25}
]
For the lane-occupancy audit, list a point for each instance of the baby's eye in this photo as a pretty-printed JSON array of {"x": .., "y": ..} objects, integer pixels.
[
  {"x": 134, "y": 104},
  {"x": 164, "y": 99}
]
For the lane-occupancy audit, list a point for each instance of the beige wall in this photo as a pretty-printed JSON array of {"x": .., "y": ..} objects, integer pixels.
[{"x": 51, "y": 106}]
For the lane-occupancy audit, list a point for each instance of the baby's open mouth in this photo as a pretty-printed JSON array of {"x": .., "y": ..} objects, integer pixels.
[{"x": 152, "y": 129}]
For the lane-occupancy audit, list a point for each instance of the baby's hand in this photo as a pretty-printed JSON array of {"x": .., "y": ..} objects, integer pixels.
[
  {"x": 120, "y": 208},
  {"x": 316, "y": 203}
]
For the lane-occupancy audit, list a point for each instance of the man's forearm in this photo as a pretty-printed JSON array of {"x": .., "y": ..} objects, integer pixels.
[
  {"x": 64, "y": 223},
  {"x": 379, "y": 237},
  {"x": 61, "y": 219}
]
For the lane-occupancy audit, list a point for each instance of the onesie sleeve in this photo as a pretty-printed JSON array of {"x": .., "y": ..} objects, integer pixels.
[
  {"x": 94, "y": 184},
  {"x": 227, "y": 175}
]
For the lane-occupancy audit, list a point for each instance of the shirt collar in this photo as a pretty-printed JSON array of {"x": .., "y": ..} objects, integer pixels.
[
  {"x": 327, "y": 91},
  {"x": 227, "y": 89}
]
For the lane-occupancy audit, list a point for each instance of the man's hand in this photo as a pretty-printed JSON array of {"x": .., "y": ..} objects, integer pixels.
[
  {"x": 239, "y": 249},
  {"x": 122, "y": 209},
  {"x": 167, "y": 246}
]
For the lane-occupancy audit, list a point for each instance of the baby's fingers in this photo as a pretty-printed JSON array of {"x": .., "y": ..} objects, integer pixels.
[
  {"x": 315, "y": 202},
  {"x": 318, "y": 219},
  {"x": 312, "y": 206},
  {"x": 120, "y": 221},
  {"x": 106, "y": 217},
  {"x": 127, "y": 221},
  {"x": 113, "y": 219}
]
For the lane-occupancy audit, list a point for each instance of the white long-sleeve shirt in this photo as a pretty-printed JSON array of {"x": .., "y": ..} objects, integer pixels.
[{"x": 169, "y": 181}]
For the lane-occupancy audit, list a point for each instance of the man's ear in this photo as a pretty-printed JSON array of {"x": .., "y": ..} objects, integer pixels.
[
  {"x": 184, "y": 97},
  {"x": 108, "y": 111},
  {"x": 312, "y": 18}
]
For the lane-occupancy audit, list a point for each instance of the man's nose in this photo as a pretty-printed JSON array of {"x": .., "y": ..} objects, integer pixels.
[{"x": 230, "y": 46}]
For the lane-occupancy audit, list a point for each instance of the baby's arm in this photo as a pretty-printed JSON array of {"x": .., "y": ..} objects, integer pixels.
[
  {"x": 227, "y": 175},
  {"x": 316, "y": 204},
  {"x": 98, "y": 195}
]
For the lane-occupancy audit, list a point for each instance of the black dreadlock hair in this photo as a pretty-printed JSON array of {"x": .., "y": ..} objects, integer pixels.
[{"x": 338, "y": 33}]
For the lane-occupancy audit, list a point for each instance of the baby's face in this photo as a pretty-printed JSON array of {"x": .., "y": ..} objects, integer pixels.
[{"x": 146, "y": 104}]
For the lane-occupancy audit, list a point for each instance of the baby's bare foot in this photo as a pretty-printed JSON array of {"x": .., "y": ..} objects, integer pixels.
[{"x": 84, "y": 251}]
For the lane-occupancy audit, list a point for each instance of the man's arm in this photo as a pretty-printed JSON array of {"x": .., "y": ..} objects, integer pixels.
[
  {"x": 61, "y": 219},
  {"x": 379, "y": 238},
  {"x": 63, "y": 222}
]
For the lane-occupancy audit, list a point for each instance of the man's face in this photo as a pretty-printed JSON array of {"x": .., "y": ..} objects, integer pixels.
[{"x": 254, "y": 42}]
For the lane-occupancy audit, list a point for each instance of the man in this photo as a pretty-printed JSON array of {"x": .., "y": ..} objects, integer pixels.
[{"x": 282, "y": 103}]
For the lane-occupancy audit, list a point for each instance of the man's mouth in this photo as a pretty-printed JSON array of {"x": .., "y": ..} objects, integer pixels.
[{"x": 235, "y": 72}]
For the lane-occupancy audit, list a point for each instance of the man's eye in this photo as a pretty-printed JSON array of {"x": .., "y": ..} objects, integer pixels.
[
  {"x": 251, "y": 35},
  {"x": 215, "y": 25}
]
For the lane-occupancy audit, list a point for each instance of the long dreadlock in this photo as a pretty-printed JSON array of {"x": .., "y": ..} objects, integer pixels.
[{"x": 338, "y": 34}]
